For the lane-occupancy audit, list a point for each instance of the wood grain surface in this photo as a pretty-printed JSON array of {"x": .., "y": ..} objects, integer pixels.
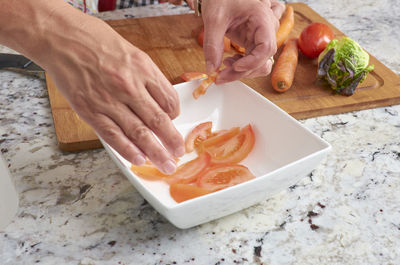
[{"x": 169, "y": 42}]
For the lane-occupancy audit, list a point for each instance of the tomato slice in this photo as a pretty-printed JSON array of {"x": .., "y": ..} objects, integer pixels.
[
  {"x": 197, "y": 135},
  {"x": 184, "y": 192},
  {"x": 234, "y": 149},
  {"x": 148, "y": 171},
  {"x": 189, "y": 76},
  {"x": 202, "y": 88},
  {"x": 189, "y": 172},
  {"x": 223, "y": 176},
  {"x": 217, "y": 140}
]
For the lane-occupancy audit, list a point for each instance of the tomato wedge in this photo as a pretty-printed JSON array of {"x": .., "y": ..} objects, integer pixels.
[
  {"x": 189, "y": 76},
  {"x": 197, "y": 135},
  {"x": 232, "y": 150},
  {"x": 188, "y": 172},
  {"x": 202, "y": 88},
  {"x": 148, "y": 171},
  {"x": 184, "y": 192},
  {"x": 223, "y": 176},
  {"x": 217, "y": 140}
]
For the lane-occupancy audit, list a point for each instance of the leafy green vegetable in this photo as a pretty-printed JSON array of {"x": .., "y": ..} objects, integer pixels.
[{"x": 343, "y": 64}]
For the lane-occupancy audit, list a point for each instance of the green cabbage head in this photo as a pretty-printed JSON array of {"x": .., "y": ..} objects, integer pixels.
[{"x": 343, "y": 64}]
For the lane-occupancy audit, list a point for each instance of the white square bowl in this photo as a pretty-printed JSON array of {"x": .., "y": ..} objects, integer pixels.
[{"x": 284, "y": 152}]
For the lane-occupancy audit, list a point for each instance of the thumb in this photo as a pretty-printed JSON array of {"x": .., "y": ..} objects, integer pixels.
[{"x": 213, "y": 44}]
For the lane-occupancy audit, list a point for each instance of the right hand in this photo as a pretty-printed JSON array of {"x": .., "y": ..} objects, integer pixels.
[{"x": 119, "y": 91}]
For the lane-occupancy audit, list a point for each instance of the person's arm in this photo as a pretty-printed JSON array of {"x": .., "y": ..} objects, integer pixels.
[{"x": 112, "y": 85}]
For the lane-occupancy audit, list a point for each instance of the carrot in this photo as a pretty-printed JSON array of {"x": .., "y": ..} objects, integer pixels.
[
  {"x": 184, "y": 192},
  {"x": 283, "y": 73},
  {"x": 286, "y": 26}
]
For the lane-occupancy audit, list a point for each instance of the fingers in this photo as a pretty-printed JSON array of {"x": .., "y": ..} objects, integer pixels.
[
  {"x": 214, "y": 32},
  {"x": 112, "y": 134},
  {"x": 265, "y": 47},
  {"x": 277, "y": 8},
  {"x": 229, "y": 74},
  {"x": 138, "y": 134},
  {"x": 154, "y": 118},
  {"x": 164, "y": 93}
]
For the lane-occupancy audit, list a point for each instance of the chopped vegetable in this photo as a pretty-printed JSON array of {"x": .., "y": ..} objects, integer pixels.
[
  {"x": 283, "y": 73},
  {"x": 343, "y": 65},
  {"x": 214, "y": 168},
  {"x": 200, "y": 133},
  {"x": 204, "y": 85},
  {"x": 314, "y": 38},
  {"x": 189, "y": 76},
  {"x": 232, "y": 150},
  {"x": 286, "y": 26},
  {"x": 184, "y": 192},
  {"x": 223, "y": 176}
]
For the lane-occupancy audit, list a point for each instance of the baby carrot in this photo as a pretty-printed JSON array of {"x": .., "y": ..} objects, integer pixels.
[
  {"x": 285, "y": 67},
  {"x": 286, "y": 26}
]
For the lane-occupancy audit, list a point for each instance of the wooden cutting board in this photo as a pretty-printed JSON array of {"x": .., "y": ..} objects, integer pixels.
[{"x": 169, "y": 42}]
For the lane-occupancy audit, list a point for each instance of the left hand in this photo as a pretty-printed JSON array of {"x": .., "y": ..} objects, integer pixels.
[{"x": 250, "y": 23}]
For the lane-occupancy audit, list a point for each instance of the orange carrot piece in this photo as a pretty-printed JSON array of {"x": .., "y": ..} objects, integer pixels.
[
  {"x": 284, "y": 69},
  {"x": 286, "y": 26},
  {"x": 184, "y": 192}
]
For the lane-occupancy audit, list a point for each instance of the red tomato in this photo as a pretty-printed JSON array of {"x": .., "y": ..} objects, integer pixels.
[
  {"x": 184, "y": 192},
  {"x": 197, "y": 135},
  {"x": 314, "y": 38},
  {"x": 189, "y": 76},
  {"x": 223, "y": 176},
  {"x": 217, "y": 140},
  {"x": 188, "y": 172},
  {"x": 234, "y": 149}
]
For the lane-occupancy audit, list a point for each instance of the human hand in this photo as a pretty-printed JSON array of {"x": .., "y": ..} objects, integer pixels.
[
  {"x": 250, "y": 23},
  {"x": 118, "y": 90}
]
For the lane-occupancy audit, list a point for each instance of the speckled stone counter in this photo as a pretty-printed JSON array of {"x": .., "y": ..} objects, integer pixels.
[{"x": 78, "y": 208}]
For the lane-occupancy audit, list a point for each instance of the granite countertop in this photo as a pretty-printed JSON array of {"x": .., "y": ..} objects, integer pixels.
[{"x": 78, "y": 208}]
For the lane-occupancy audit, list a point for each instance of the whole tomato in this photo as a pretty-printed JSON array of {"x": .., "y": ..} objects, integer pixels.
[{"x": 314, "y": 38}]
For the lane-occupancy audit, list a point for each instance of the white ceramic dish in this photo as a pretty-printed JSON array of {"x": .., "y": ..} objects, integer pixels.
[{"x": 285, "y": 151}]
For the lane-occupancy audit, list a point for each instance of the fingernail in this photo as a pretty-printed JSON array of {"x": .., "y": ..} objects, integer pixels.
[
  {"x": 210, "y": 67},
  {"x": 169, "y": 167},
  {"x": 139, "y": 160}
]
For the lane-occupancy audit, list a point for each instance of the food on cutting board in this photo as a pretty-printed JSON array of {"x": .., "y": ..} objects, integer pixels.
[
  {"x": 285, "y": 67},
  {"x": 216, "y": 166},
  {"x": 314, "y": 38},
  {"x": 285, "y": 27},
  {"x": 343, "y": 65}
]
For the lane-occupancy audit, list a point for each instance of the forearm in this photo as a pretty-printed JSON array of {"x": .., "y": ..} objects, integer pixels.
[{"x": 40, "y": 29}]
